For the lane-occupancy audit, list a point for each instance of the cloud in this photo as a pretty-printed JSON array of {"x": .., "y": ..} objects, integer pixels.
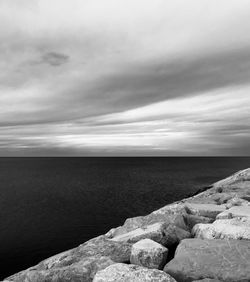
[
  {"x": 86, "y": 77},
  {"x": 197, "y": 125},
  {"x": 54, "y": 59}
]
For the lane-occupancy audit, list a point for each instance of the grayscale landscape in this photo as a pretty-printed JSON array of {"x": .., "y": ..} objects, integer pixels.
[{"x": 124, "y": 140}]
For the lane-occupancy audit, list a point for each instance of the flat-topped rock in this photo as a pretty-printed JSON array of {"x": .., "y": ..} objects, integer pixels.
[
  {"x": 225, "y": 260},
  {"x": 171, "y": 214},
  {"x": 149, "y": 254},
  {"x": 236, "y": 211},
  {"x": 153, "y": 231},
  {"x": 208, "y": 280},
  {"x": 127, "y": 273},
  {"x": 162, "y": 233},
  {"x": 236, "y": 228},
  {"x": 205, "y": 210},
  {"x": 236, "y": 201}
]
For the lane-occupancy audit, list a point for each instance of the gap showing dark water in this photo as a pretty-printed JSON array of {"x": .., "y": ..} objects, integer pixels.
[{"x": 49, "y": 205}]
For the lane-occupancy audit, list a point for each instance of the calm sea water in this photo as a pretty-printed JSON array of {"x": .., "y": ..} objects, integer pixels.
[{"x": 48, "y": 205}]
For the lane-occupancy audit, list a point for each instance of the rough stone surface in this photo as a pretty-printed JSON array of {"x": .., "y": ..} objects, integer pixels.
[
  {"x": 236, "y": 201},
  {"x": 171, "y": 214},
  {"x": 236, "y": 211},
  {"x": 226, "y": 260},
  {"x": 236, "y": 228},
  {"x": 235, "y": 186},
  {"x": 191, "y": 220},
  {"x": 127, "y": 273},
  {"x": 205, "y": 210},
  {"x": 79, "y": 264},
  {"x": 242, "y": 176},
  {"x": 153, "y": 231},
  {"x": 149, "y": 254},
  {"x": 163, "y": 233},
  {"x": 208, "y": 280}
]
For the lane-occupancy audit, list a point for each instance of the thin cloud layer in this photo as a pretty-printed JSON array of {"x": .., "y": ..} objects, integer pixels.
[{"x": 124, "y": 77}]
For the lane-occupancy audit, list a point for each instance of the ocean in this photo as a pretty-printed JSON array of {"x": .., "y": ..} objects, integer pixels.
[{"x": 49, "y": 205}]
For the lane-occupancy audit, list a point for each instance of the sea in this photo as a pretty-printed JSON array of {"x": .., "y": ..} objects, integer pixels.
[{"x": 49, "y": 205}]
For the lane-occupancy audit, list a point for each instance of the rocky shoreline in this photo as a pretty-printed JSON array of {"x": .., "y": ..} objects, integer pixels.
[{"x": 201, "y": 238}]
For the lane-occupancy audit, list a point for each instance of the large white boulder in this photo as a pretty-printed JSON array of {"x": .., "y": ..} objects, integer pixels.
[
  {"x": 149, "y": 254},
  {"x": 131, "y": 273},
  {"x": 206, "y": 210},
  {"x": 197, "y": 259},
  {"x": 236, "y": 211},
  {"x": 235, "y": 228}
]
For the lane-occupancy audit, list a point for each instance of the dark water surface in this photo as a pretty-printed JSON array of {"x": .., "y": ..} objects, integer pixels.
[{"x": 48, "y": 205}]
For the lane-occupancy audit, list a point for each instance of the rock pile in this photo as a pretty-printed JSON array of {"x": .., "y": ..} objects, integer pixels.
[{"x": 211, "y": 231}]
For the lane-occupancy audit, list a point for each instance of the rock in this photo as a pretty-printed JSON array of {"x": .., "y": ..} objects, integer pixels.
[
  {"x": 226, "y": 260},
  {"x": 149, "y": 254},
  {"x": 191, "y": 220},
  {"x": 79, "y": 264},
  {"x": 205, "y": 210},
  {"x": 208, "y": 280},
  {"x": 236, "y": 228},
  {"x": 171, "y": 214},
  {"x": 162, "y": 233},
  {"x": 236, "y": 211},
  {"x": 241, "y": 176},
  {"x": 125, "y": 273},
  {"x": 77, "y": 272},
  {"x": 221, "y": 198},
  {"x": 236, "y": 201},
  {"x": 153, "y": 231},
  {"x": 172, "y": 235},
  {"x": 238, "y": 183}
]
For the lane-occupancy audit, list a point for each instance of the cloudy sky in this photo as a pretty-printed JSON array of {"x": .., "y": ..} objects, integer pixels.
[{"x": 124, "y": 77}]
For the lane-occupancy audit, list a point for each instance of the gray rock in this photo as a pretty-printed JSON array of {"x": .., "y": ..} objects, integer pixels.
[
  {"x": 238, "y": 177},
  {"x": 236, "y": 228},
  {"x": 236, "y": 211},
  {"x": 162, "y": 233},
  {"x": 226, "y": 260},
  {"x": 205, "y": 210},
  {"x": 191, "y": 220},
  {"x": 222, "y": 198},
  {"x": 237, "y": 183},
  {"x": 149, "y": 254},
  {"x": 81, "y": 271},
  {"x": 171, "y": 214},
  {"x": 208, "y": 280},
  {"x": 153, "y": 231},
  {"x": 127, "y": 273},
  {"x": 236, "y": 201},
  {"x": 79, "y": 264}
]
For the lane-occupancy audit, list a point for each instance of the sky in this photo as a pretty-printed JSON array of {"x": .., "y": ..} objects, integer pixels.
[{"x": 124, "y": 78}]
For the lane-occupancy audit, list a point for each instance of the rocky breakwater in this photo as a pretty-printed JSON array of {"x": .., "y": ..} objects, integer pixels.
[{"x": 201, "y": 238}]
